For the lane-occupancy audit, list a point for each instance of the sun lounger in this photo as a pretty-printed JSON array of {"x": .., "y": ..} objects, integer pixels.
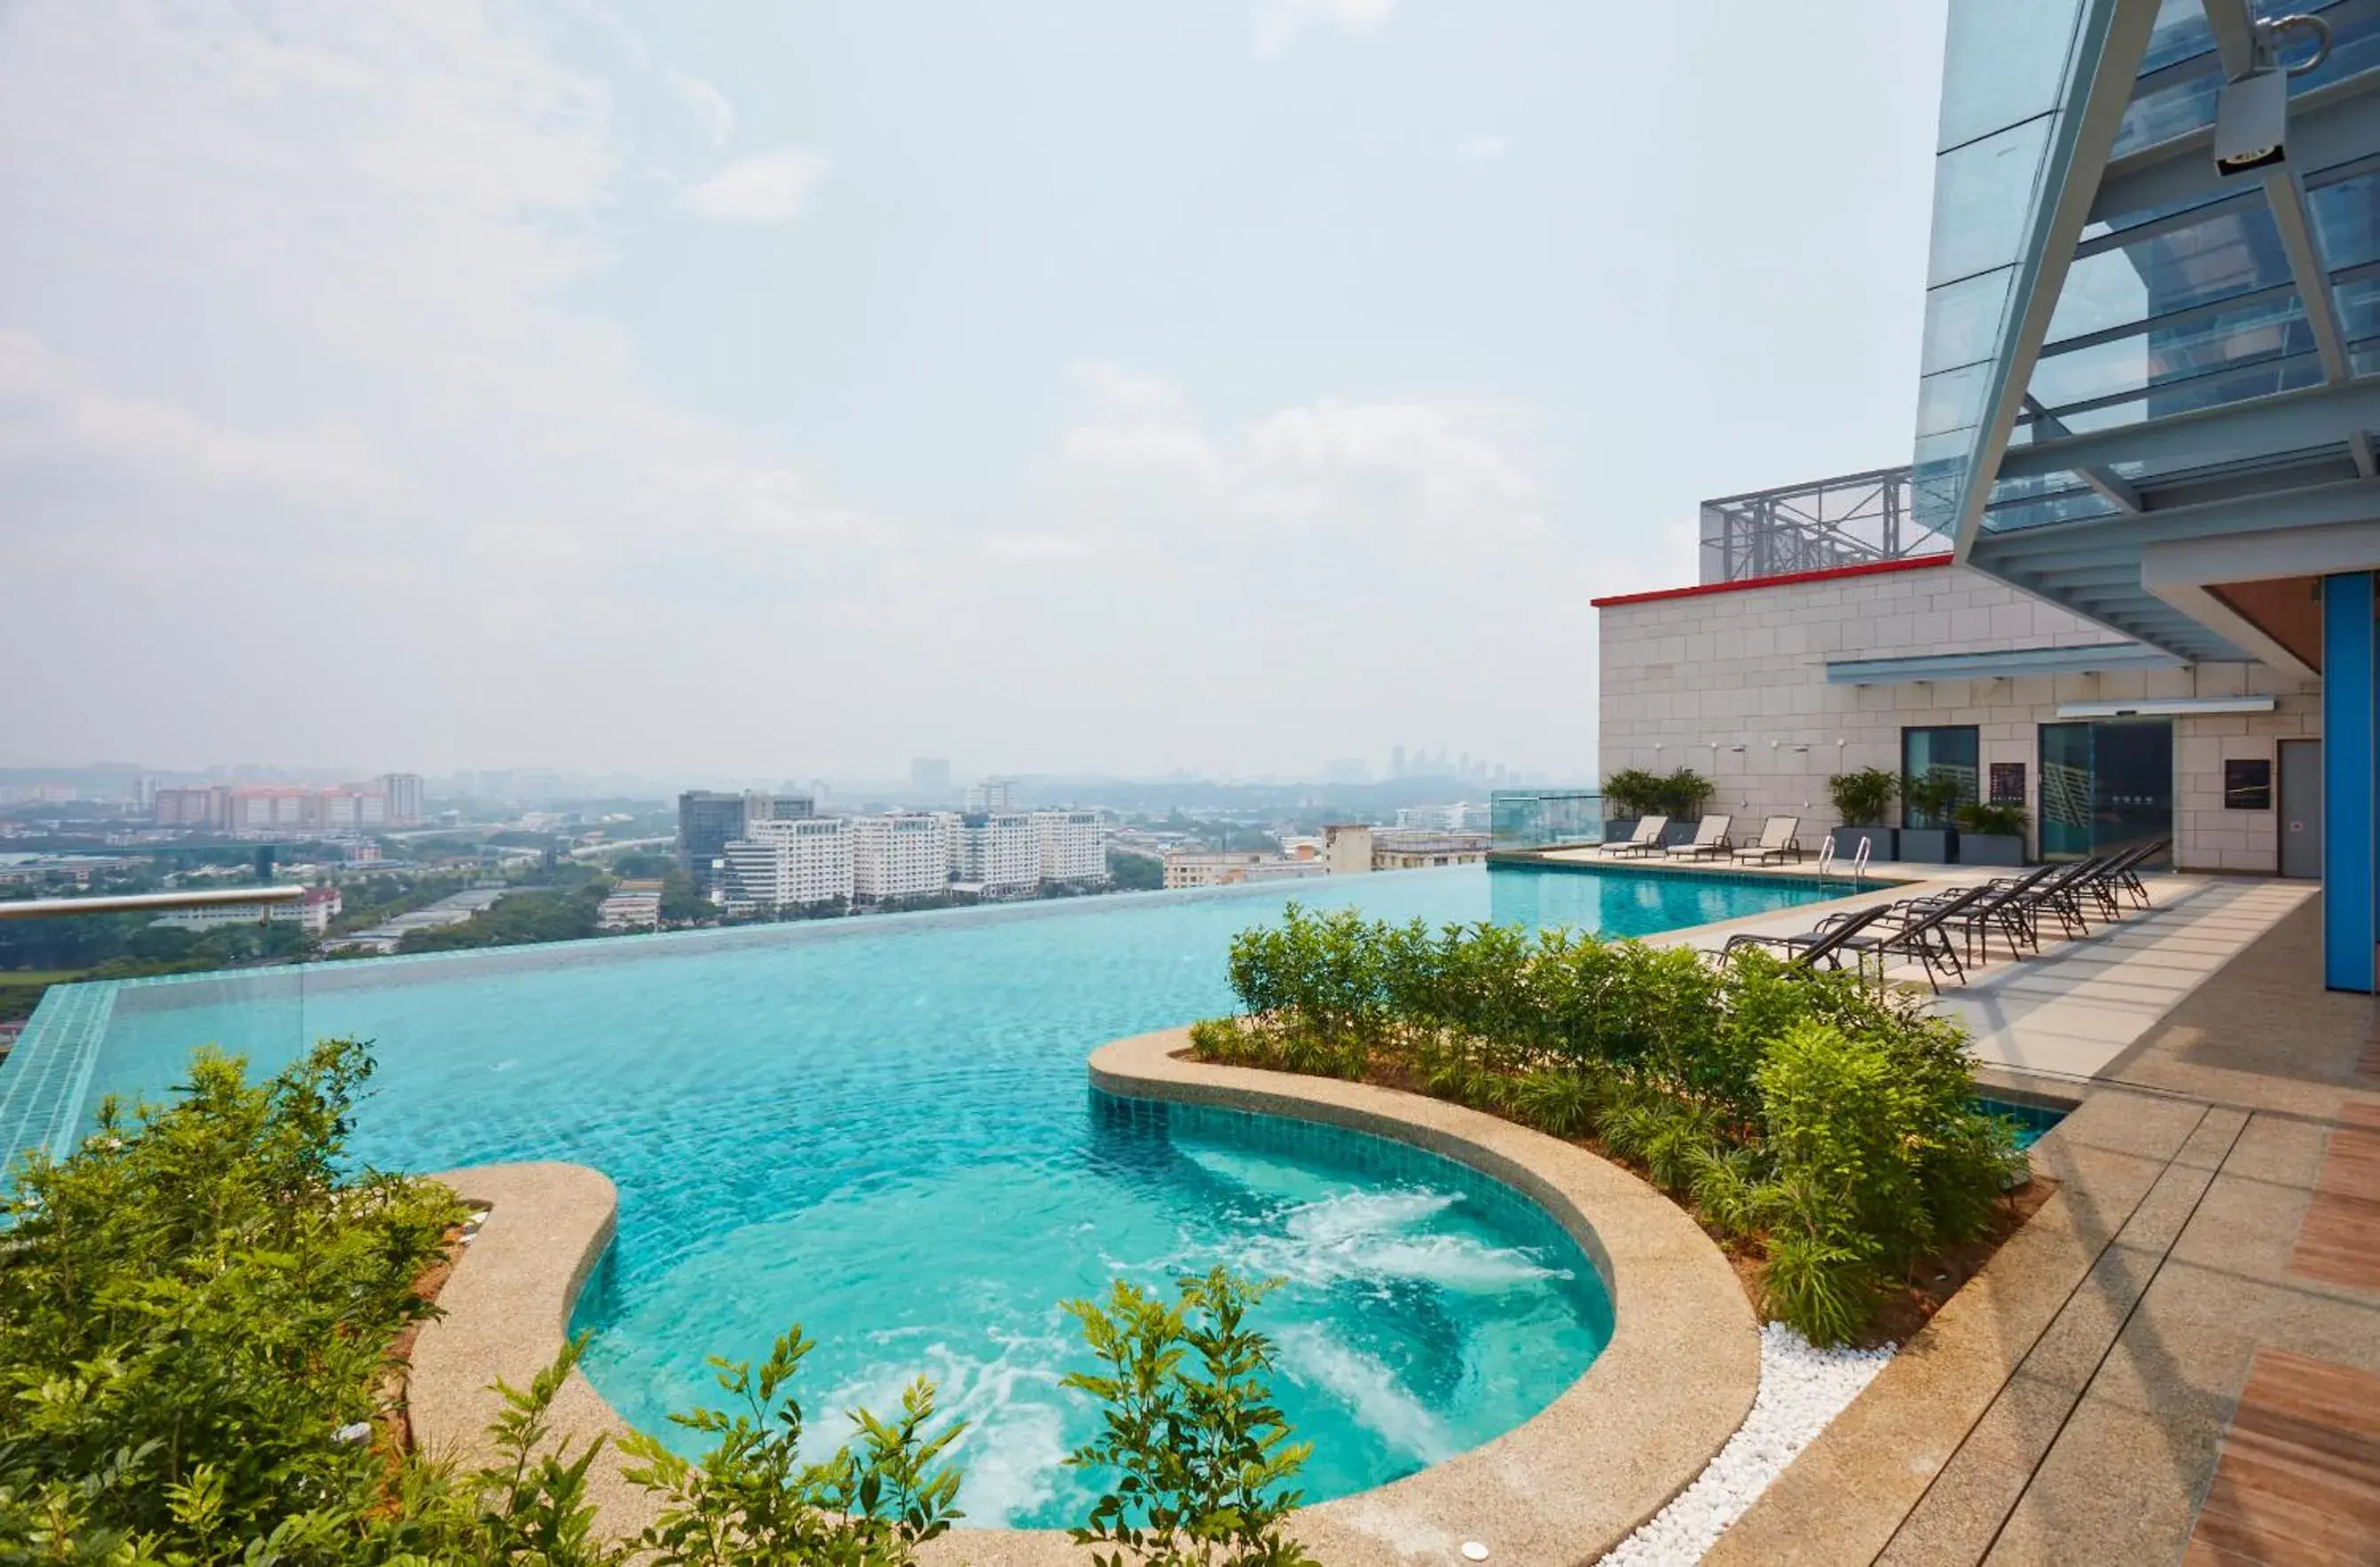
[
  {"x": 2007, "y": 907},
  {"x": 1923, "y": 933},
  {"x": 1778, "y": 840},
  {"x": 1711, "y": 837},
  {"x": 1825, "y": 946},
  {"x": 1646, "y": 839}
]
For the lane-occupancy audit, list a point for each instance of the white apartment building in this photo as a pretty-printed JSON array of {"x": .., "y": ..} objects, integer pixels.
[
  {"x": 321, "y": 907},
  {"x": 788, "y": 863},
  {"x": 631, "y": 906},
  {"x": 995, "y": 851},
  {"x": 899, "y": 854},
  {"x": 1073, "y": 845}
]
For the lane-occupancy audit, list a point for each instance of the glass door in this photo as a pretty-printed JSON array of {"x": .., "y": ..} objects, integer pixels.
[{"x": 2104, "y": 786}]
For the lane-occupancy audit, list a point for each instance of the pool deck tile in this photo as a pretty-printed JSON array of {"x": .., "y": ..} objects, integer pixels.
[{"x": 2209, "y": 1207}]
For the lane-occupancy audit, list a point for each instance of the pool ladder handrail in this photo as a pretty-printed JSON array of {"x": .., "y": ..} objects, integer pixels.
[{"x": 1826, "y": 858}]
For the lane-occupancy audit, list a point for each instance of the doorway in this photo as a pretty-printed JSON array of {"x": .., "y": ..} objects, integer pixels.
[
  {"x": 2301, "y": 824},
  {"x": 2104, "y": 786}
]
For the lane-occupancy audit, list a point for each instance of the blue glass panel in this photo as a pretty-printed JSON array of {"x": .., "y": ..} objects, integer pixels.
[
  {"x": 2069, "y": 508},
  {"x": 1983, "y": 199},
  {"x": 2346, "y": 220},
  {"x": 2358, "y": 302},
  {"x": 2032, "y": 486},
  {"x": 2005, "y": 62},
  {"x": 2266, "y": 329},
  {"x": 1952, "y": 400},
  {"x": 2236, "y": 251},
  {"x": 2172, "y": 110},
  {"x": 1963, "y": 320},
  {"x": 2204, "y": 391},
  {"x": 2179, "y": 33}
]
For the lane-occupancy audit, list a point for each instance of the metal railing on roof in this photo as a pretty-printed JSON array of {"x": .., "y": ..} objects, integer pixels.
[{"x": 1855, "y": 520}]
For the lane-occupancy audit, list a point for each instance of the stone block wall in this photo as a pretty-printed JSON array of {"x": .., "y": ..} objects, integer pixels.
[{"x": 1733, "y": 684}]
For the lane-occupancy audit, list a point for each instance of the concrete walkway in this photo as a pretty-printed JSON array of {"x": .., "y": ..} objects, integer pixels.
[{"x": 2181, "y": 1362}]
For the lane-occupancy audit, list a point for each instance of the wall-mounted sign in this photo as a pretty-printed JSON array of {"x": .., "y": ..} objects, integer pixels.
[
  {"x": 2008, "y": 783},
  {"x": 2248, "y": 784}
]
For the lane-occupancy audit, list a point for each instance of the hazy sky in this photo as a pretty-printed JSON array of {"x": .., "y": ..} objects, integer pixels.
[{"x": 776, "y": 388}]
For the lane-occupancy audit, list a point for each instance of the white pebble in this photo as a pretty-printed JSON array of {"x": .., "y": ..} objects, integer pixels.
[{"x": 1801, "y": 1389}]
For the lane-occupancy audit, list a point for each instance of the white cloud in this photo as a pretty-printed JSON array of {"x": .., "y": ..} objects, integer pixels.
[
  {"x": 1389, "y": 472},
  {"x": 708, "y": 105},
  {"x": 1484, "y": 147},
  {"x": 770, "y": 189},
  {"x": 1280, "y": 23}
]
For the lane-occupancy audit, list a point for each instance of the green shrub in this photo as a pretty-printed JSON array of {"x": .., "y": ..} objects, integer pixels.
[
  {"x": 1992, "y": 819},
  {"x": 1863, "y": 797},
  {"x": 753, "y": 1500},
  {"x": 195, "y": 1300},
  {"x": 1633, "y": 791},
  {"x": 1683, "y": 794},
  {"x": 1199, "y": 1457}
]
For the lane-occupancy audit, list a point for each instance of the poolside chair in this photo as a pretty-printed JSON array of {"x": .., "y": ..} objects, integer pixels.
[
  {"x": 1922, "y": 933},
  {"x": 2007, "y": 906},
  {"x": 2122, "y": 875},
  {"x": 1646, "y": 839},
  {"x": 1778, "y": 840},
  {"x": 1711, "y": 837},
  {"x": 1825, "y": 946}
]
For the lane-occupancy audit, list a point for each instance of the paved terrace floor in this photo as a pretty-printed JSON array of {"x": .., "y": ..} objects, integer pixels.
[{"x": 2179, "y": 1359}]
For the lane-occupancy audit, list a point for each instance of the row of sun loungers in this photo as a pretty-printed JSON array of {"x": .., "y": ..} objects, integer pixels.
[
  {"x": 1779, "y": 840},
  {"x": 2107, "y": 886}
]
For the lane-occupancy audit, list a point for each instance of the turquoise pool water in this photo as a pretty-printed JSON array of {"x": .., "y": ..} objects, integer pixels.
[{"x": 882, "y": 1128}]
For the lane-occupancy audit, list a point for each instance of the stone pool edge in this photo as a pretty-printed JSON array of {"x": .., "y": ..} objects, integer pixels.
[{"x": 1676, "y": 1380}]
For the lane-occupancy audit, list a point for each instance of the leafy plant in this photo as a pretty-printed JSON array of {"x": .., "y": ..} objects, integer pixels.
[
  {"x": 1999, "y": 820},
  {"x": 1863, "y": 797},
  {"x": 1683, "y": 794},
  {"x": 753, "y": 1500},
  {"x": 194, "y": 1300},
  {"x": 1633, "y": 791},
  {"x": 1200, "y": 1458},
  {"x": 1932, "y": 796}
]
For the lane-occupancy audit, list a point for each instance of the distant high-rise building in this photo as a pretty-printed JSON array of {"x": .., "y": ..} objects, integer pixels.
[
  {"x": 996, "y": 850},
  {"x": 708, "y": 821},
  {"x": 788, "y": 863},
  {"x": 401, "y": 795},
  {"x": 1396, "y": 761},
  {"x": 899, "y": 854},
  {"x": 992, "y": 794},
  {"x": 1073, "y": 845},
  {"x": 783, "y": 806},
  {"x": 930, "y": 775}
]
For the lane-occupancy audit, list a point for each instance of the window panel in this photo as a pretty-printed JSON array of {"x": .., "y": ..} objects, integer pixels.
[
  {"x": 1952, "y": 400},
  {"x": 1982, "y": 196},
  {"x": 2005, "y": 60},
  {"x": 2204, "y": 391},
  {"x": 2266, "y": 329},
  {"x": 2346, "y": 220},
  {"x": 1963, "y": 320},
  {"x": 2236, "y": 251},
  {"x": 2071, "y": 508}
]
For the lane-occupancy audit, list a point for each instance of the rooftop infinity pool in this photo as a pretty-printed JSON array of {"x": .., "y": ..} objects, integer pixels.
[{"x": 882, "y": 1128}]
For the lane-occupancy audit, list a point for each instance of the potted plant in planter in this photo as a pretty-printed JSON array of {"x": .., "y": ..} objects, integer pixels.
[
  {"x": 1628, "y": 794},
  {"x": 1863, "y": 799},
  {"x": 1991, "y": 834},
  {"x": 1682, "y": 797},
  {"x": 1927, "y": 834}
]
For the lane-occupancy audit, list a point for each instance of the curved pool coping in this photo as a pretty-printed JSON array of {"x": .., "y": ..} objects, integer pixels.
[{"x": 1676, "y": 1379}]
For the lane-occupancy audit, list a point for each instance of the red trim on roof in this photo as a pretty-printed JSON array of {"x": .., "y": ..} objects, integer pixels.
[{"x": 1870, "y": 569}]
